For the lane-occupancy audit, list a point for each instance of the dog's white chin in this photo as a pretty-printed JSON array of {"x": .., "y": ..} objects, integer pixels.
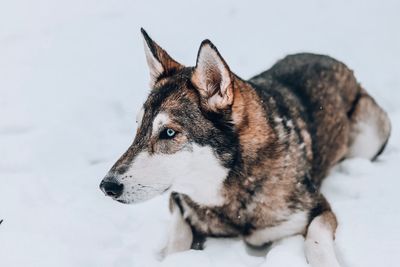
[
  {"x": 141, "y": 196},
  {"x": 195, "y": 172}
]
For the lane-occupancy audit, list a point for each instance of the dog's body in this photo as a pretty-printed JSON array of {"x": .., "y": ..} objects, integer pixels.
[{"x": 247, "y": 158}]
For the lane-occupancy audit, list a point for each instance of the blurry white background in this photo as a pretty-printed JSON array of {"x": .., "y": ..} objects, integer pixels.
[{"x": 73, "y": 75}]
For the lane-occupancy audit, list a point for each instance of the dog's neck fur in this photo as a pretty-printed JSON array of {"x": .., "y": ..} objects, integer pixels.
[{"x": 249, "y": 119}]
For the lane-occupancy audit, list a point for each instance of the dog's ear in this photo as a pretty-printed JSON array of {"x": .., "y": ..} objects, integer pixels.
[
  {"x": 160, "y": 63},
  {"x": 213, "y": 78}
]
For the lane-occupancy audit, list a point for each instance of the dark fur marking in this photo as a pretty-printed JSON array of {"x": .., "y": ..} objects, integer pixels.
[
  {"x": 307, "y": 115},
  {"x": 281, "y": 96},
  {"x": 314, "y": 212},
  {"x": 198, "y": 239},
  {"x": 177, "y": 200},
  {"x": 354, "y": 104},
  {"x": 261, "y": 247},
  {"x": 321, "y": 207},
  {"x": 311, "y": 188},
  {"x": 380, "y": 150}
]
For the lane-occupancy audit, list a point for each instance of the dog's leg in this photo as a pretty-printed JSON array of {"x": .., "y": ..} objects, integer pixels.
[
  {"x": 319, "y": 243},
  {"x": 180, "y": 236}
]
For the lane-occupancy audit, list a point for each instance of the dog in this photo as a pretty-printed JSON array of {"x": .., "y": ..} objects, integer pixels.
[{"x": 246, "y": 158}]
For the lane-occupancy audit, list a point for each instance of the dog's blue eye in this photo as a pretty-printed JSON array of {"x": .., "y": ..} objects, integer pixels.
[{"x": 168, "y": 134}]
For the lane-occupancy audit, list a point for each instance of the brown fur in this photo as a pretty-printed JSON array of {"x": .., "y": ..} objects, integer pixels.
[
  {"x": 272, "y": 185},
  {"x": 279, "y": 134}
]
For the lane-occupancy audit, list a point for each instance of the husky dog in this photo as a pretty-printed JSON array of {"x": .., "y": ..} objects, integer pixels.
[{"x": 246, "y": 158}]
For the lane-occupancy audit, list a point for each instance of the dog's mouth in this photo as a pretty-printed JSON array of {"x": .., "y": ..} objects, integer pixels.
[{"x": 127, "y": 201}]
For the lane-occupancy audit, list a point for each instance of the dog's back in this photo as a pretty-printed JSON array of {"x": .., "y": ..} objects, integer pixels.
[{"x": 341, "y": 117}]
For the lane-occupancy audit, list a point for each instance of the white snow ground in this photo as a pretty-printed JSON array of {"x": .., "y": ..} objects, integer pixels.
[{"x": 73, "y": 75}]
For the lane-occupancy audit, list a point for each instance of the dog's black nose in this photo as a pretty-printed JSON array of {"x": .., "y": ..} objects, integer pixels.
[{"x": 112, "y": 188}]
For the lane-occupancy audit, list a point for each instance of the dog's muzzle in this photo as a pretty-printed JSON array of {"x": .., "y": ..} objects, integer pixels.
[{"x": 111, "y": 187}]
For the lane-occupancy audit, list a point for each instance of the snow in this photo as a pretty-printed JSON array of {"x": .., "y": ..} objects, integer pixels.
[{"x": 73, "y": 75}]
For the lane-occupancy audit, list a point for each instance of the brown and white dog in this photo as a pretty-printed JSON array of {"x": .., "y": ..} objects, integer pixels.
[{"x": 247, "y": 158}]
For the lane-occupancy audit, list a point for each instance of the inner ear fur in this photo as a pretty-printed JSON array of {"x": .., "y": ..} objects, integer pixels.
[
  {"x": 160, "y": 63},
  {"x": 213, "y": 78}
]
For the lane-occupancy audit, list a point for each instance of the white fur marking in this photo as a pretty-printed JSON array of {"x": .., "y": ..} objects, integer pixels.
[
  {"x": 196, "y": 173},
  {"x": 319, "y": 246},
  {"x": 295, "y": 224},
  {"x": 159, "y": 121},
  {"x": 180, "y": 235},
  {"x": 278, "y": 119},
  {"x": 367, "y": 141},
  {"x": 204, "y": 180}
]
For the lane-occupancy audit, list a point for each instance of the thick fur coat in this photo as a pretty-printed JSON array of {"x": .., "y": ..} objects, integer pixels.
[{"x": 247, "y": 158}]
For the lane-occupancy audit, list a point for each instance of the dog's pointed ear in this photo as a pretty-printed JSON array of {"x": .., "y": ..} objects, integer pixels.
[
  {"x": 213, "y": 78},
  {"x": 160, "y": 63}
]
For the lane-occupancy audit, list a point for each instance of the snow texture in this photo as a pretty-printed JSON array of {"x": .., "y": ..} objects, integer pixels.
[{"x": 73, "y": 75}]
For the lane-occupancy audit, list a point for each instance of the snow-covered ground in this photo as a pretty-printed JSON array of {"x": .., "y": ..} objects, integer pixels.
[{"x": 73, "y": 75}]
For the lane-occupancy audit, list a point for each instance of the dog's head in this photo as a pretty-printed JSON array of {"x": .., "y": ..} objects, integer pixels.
[{"x": 185, "y": 140}]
